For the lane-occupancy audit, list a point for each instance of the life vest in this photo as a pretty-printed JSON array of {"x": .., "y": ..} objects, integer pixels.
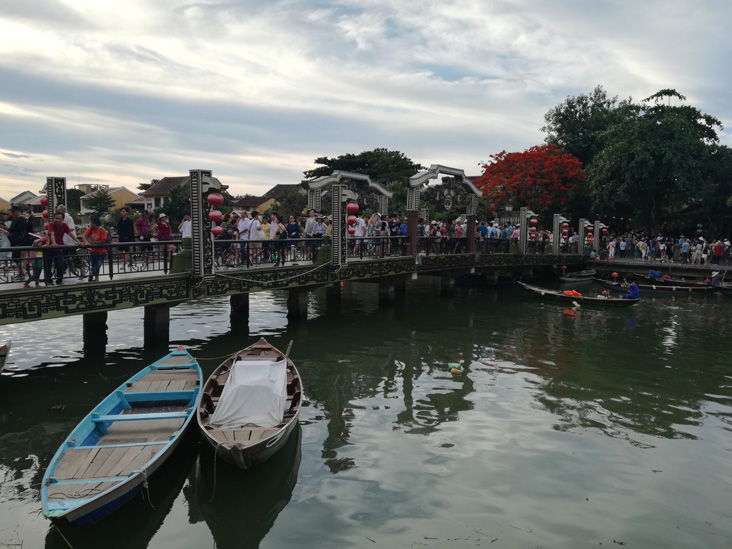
[{"x": 573, "y": 293}]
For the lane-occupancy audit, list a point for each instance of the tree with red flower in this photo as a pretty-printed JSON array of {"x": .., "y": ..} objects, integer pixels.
[{"x": 542, "y": 178}]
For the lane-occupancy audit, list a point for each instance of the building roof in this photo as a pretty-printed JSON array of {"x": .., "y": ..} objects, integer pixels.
[
  {"x": 280, "y": 190},
  {"x": 163, "y": 186},
  {"x": 22, "y": 198},
  {"x": 110, "y": 190},
  {"x": 247, "y": 202}
]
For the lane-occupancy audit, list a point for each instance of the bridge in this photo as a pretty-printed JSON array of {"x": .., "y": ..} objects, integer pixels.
[{"x": 170, "y": 273}]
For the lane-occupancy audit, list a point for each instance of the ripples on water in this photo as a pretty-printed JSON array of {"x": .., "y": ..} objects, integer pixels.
[{"x": 567, "y": 429}]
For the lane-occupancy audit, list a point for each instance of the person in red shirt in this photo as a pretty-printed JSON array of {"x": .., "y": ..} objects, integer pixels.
[
  {"x": 54, "y": 257},
  {"x": 163, "y": 232},
  {"x": 94, "y": 236}
]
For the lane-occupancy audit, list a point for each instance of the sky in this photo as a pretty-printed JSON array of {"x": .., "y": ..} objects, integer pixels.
[{"x": 119, "y": 93}]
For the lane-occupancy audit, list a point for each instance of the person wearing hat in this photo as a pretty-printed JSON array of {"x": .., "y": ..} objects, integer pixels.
[
  {"x": 163, "y": 233},
  {"x": 716, "y": 279}
]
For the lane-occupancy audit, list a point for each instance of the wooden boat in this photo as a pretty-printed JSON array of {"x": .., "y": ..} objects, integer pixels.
[
  {"x": 579, "y": 276},
  {"x": 115, "y": 449},
  {"x": 726, "y": 289},
  {"x": 670, "y": 281},
  {"x": 235, "y": 521},
  {"x": 659, "y": 288},
  {"x": 250, "y": 405},
  {"x": 605, "y": 301},
  {"x": 4, "y": 352}
]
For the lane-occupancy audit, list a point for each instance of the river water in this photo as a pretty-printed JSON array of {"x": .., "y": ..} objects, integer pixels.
[{"x": 566, "y": 429}]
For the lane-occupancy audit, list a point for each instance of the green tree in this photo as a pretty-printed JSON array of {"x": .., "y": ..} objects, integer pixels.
[
  {"x": 101, "y": 202},
  {"x": 73, "y": 199},
  {"x": 655, "y": 159},
  {"x": 291, "y": 203},
  {"x": 576, "y": 125},
  {"x": 381, "y": 165}
]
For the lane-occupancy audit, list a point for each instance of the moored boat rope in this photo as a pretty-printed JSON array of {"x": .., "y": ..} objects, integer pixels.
[{"x": 145, "y": 486}]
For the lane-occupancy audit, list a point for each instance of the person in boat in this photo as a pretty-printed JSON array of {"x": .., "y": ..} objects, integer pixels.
[
  {"x": 633, "y": 290},
  {"x": 716, "y": 279}
]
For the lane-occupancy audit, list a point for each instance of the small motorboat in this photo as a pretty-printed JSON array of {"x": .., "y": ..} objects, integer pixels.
[
  {"x": 659, "y": 288},
  {"x": 578, "y": 276},
  {"x": 115, "y": 449},
  {"x": 250, "y": 404},
  {"x": 577, "y": 299}
]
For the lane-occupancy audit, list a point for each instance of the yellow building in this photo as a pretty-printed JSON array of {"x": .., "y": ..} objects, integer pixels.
[
  {"x": 121, "y": 195},
  {"x": 4, "y": 205}
]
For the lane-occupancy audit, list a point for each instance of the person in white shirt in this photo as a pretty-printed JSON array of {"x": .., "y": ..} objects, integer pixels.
[
  {"x": 360, "y": 227},
  {"x": 185, "y": 227},
  {"x": 310, "y": 224},
  {"x": 244, "y": 223},
  {"x": 68, "y": 241},
  {"x": 254, "y": 247}
]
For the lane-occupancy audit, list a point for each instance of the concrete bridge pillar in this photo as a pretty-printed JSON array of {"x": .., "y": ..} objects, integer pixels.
[
  {"x": 400, "y": 292},
  {"x": 95, "y": 334},
  {"x": 386, "y": 294},
  {"x": 297, "y": 304},
  {"x": 447, "y": 284},
  {"x": 239, "y": 308},
  {"x": 333, "y": 298},
  {"x": 156, "y": 325}
]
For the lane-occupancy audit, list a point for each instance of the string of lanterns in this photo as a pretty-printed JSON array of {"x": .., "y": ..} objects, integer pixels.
[
  {"x": 215, "y": 199},
  {"x": 352, "y": 209}
]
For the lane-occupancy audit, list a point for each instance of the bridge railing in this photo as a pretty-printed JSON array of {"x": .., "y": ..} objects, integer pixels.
[{"x": 35, "y": 265}]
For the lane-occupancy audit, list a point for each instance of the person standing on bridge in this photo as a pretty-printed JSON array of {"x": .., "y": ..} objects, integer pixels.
[
  {"x": 143, "y": 232},
  {"x": 54, "y": 257},
  {"x": 94, "y": 236},
  {"x": 125, "y": 233}
]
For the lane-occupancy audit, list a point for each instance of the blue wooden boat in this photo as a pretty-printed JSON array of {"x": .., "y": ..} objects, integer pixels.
[{"x": 111, "y": 454}]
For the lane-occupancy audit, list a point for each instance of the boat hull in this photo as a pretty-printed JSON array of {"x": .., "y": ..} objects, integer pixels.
[
  {"x": 554, "y": 295},
  {"x": 109, "y": 456},
  {"x": 247, "y": 445},
  {"x": 659, "y": 288},
  {"x": 245, "y": 457}
]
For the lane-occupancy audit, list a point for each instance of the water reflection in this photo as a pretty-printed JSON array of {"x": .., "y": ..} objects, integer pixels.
[{"x": 240, "y": 507}]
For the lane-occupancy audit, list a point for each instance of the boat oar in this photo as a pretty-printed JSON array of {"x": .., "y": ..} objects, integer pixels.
[{"x": 289, "y": 346}]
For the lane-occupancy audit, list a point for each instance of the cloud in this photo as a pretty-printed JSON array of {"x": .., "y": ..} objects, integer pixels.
[{"x": 255, "y": 91}]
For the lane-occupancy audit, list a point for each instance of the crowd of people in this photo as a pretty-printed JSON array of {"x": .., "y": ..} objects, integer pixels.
[
  {"x": 248, "y": 233},
  {"x": 684, "y": 250}
]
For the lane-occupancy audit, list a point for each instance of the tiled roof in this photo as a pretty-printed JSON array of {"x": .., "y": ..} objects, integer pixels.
[
  {"x": 248, "y": 202},
  {"x": 165, "y": 185},
  {"x": 280, "y": 190}
]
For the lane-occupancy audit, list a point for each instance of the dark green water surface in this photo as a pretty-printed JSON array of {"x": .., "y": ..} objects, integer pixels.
[{"x": 567, "y": 429}]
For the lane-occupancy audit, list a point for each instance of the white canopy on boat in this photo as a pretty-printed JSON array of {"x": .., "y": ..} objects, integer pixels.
[{"x": 254, "y": 395}]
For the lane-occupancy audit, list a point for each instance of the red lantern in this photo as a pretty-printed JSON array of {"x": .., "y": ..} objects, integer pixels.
[
  {"x": 352, "y": 208},
  {"x": 215, "y": 199},
  {"x": 533, "y": 229},
  {"x": 44, "y": 201},
  {"x": 352, "y": 219},
  {"x": 45, "y": 214},
  {"x": 351, "y": 230},
  {"x": 614, "y": 275},
  {"x": 590, "y": 229},
  {"x": 215, "y": 216},
  {"x": 216, "y": 231},
  {"x": 565, "y": 224},
  {"x": 533, "y": 221},
  {"x": 564, "y": 231},
  {"x": 604, "y": 230}
]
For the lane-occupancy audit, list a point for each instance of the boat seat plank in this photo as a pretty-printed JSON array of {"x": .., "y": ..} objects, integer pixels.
[
  {"x": 190, "y": 384},
  {"x": 153, "y": 430},
  {"x": 177, "y": 385},
  {"x": 139, "y": 417}
]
